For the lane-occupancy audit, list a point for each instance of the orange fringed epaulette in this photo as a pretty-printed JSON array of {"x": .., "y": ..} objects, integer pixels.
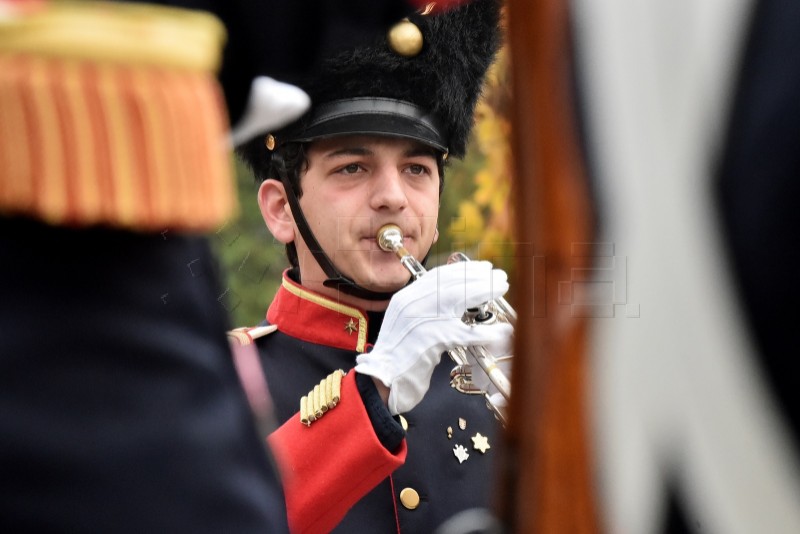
[{"x": 111, "y": 114}]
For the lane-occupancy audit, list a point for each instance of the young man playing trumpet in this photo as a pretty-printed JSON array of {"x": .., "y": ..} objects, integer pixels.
[{"x": 384, "y": 445}]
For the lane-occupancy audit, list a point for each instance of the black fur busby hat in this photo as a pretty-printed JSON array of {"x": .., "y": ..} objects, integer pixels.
[{"x": 422, "y": 81}]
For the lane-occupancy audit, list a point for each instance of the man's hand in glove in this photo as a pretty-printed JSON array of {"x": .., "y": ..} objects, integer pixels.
[{"x": 423, "y": 320}]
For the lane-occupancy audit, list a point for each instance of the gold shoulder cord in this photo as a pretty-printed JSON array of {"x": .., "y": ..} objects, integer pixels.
[{"x": 325, "y": 396}]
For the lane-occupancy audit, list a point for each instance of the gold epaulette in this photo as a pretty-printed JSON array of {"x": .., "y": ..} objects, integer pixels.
[
  {"x": 325, "y": 396},
  {"x": 112, "y": 114},
  {"x": 245, "y": 335}
]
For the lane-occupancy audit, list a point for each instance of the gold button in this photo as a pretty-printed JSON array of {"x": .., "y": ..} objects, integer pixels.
[
  {"x": 410, "y": 498},
  {"x": 403, "y": 423}
]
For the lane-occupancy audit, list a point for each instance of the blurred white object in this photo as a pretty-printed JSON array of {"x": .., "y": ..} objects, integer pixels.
[
  {"x": 270, "y": 106},
  {"x": 678, "y": 400}
]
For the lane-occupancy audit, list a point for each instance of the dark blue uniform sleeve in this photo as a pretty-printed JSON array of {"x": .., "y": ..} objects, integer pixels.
[
  {"x": 389, "y": 431},
  {"x": 120, "y": 408}
]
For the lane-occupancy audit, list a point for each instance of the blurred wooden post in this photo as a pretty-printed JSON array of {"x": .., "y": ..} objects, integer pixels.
[{"x": 548, "y": 485}]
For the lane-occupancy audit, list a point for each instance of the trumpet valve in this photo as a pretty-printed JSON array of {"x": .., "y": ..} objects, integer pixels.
[{"x": 479, "y": 315}]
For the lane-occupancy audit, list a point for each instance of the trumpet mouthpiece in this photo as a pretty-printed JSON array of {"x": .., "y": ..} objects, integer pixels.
[{"x": 389, "y": 237}]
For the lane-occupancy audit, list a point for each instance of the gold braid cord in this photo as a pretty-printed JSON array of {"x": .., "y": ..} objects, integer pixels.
[{"x": 325, "y": 396}]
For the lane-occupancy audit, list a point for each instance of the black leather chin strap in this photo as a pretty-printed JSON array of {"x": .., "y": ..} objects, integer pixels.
[{"x": 335, "y": 278}]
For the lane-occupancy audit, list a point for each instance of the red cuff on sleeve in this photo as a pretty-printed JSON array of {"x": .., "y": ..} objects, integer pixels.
[{"x": 329, "y": 466}]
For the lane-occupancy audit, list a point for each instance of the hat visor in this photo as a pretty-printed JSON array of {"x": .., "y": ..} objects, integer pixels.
[{"x": 370, "y": 116}]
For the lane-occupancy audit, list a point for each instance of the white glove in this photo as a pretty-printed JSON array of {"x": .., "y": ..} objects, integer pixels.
[{"x": 423, "y": 320}]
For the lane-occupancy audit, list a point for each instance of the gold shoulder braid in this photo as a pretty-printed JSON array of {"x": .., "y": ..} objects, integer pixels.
[{"x": 325, "y": 396}]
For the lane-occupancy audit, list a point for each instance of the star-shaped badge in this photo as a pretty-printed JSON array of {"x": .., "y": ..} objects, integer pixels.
[
  {"x": 461, "y": 453},
  {"x": 480, "y": 443},
  {"x": 351, "y": 326}
]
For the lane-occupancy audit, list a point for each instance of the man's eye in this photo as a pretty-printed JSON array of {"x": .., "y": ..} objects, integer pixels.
[
  {"x": 351, "y": 169},
  {"x": 417, "y": 169}
]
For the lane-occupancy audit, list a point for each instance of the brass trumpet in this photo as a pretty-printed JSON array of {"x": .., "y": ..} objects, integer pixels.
[{"x": 390, "y": 239}]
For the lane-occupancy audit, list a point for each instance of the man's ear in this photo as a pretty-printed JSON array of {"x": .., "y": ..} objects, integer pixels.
[{"x": 275, "y": 210}]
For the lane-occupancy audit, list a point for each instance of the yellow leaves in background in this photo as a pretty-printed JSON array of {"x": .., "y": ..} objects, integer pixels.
[
  {"x": 468, "y": 225},
  {"x": 483, "y": 222}
]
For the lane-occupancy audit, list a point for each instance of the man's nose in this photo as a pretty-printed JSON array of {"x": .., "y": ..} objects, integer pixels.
[{"x": 389, "y": 190}]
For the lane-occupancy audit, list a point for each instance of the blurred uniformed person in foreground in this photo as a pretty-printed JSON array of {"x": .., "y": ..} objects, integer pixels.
[
  {"x": 120, "y": 408},
  {"x": 373, "y": 438}
]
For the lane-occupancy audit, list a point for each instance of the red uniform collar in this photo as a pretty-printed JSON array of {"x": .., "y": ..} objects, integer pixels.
[{"x": 306, "y": 315}]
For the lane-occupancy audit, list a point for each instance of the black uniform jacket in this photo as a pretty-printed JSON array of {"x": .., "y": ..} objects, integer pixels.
[{"x": 316, "y": 336}]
